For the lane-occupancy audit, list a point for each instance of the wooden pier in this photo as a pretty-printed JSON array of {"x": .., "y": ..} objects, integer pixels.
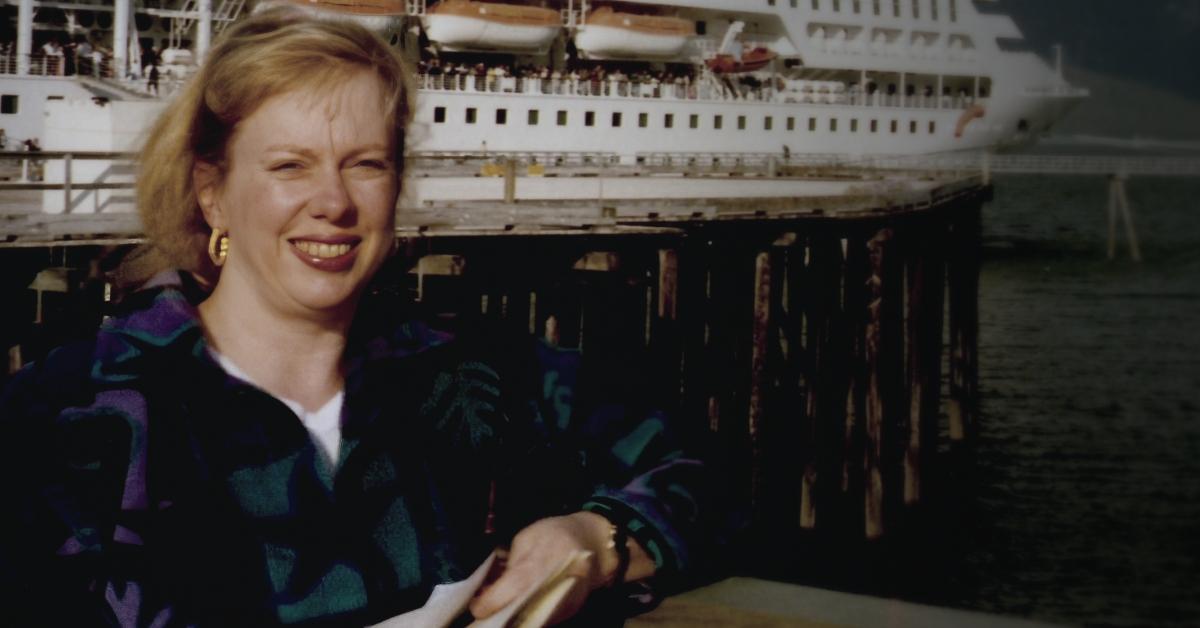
[{"x": 827, "y": 338}]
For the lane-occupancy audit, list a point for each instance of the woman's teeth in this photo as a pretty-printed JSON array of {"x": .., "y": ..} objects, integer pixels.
[{"x": 322, "y": 250}]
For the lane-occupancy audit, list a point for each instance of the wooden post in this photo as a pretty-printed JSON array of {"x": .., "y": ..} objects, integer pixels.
[
  {"x": 552, "y": 335},
  {"x": 963, "y": 286},
  {"x": 1112, "y": 218},
  {"x": 666, "y": 338},
  {"x": 877, "y": 382},
  {"x": 925, "y": 310},
  {"x": 856, "y": 300},
  {"x": 823, "y": 274},
  {"x": 67, "y": 183},
  {"x": 758, "y": 371},
  {"x": 14, "y": 359},
  {"x": 510, "y": 180},
  {"x": 1135, "y": 250},
  {"x": 668, "y": 284}
]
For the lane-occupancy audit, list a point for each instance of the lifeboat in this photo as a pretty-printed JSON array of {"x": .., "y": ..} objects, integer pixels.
[
  {"x": 469, "y": 25},
  {"x": 377, "y": 15},
  {"x": 751, "y": 60},
  {"x": 608, "y": 34}
]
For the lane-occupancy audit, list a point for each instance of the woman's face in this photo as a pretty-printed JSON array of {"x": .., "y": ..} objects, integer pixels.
[{"x": 308, "y": 198}]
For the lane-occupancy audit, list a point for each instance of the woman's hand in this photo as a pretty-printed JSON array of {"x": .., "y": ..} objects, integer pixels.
[{"x": 539, "y": 549}]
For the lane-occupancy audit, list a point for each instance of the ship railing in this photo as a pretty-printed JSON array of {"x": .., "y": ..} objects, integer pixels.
[
  {"x": 71, "y": 181},
  {"x": 611, "y": 87},
  {"x": 439, "y": 160},
  {"x": 682, "y": 90},
  {"x": 38, "y": 64},
  {"x": 41, "y": 64}
]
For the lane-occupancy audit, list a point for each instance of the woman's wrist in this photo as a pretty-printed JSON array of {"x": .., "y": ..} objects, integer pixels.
[{"x": 610, "y": 561}]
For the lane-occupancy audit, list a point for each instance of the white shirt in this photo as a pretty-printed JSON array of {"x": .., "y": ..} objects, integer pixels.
[{"x": 324, "y": 424}]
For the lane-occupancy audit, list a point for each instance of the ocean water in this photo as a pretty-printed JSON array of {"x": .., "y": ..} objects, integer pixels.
[{"x": 1088, "y": 494}]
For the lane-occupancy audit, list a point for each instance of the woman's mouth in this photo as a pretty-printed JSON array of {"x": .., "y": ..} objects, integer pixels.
[
  {"x": 334, "y": 255},
  {"x": 322, "y": 250}
]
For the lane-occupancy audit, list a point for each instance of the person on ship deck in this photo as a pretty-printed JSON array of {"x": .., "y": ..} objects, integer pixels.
[{"x": 261, "y": 435}]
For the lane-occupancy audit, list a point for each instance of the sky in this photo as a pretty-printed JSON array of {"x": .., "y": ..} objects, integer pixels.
[{"x": 1156, "y": 42}]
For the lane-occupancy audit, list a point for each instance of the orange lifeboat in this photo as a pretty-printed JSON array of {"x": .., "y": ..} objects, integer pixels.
[
  {"x": 751, "y": 60},
  {"x": 471, "y": 25},
  {"x": 608, "y": 34}
]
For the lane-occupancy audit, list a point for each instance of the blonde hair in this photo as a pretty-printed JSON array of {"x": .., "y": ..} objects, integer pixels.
[{"x": 270, "y": 53}]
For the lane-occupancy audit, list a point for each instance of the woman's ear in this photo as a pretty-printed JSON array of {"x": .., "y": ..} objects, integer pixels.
[{"x": 206, "y": 182}]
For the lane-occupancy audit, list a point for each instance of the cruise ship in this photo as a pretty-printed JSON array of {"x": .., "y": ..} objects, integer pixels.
[{"x": 628, "y": 80}]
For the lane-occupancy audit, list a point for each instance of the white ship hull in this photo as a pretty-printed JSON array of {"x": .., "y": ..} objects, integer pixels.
[
  {"x": 614, "y": 127},
  {"x": 457, "y": 32}
]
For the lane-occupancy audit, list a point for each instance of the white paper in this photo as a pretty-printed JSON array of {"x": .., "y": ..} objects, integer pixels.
[{"x": 445, "y": 603}]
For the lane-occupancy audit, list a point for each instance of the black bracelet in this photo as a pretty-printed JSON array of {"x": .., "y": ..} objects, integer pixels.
[{"x": 619, "y": 541}]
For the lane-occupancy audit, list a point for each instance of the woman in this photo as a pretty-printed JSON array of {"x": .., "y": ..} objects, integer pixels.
[{"x": 256, "y": 440}]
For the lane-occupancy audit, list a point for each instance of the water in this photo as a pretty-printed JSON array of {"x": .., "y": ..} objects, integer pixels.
[{"x": 1089, "y": 495}]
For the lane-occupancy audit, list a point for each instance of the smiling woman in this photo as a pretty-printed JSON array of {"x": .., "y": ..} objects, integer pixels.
[{"x": 259, "y": 438}]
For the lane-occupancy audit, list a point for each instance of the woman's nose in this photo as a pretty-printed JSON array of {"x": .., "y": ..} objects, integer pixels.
[{"x": 332, "y": 200}]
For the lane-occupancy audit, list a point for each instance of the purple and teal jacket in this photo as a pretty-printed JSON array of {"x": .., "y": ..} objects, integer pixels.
[{"x": 146, "y": 487}]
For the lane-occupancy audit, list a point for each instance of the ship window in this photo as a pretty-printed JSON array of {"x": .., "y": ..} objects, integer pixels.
[
  {"x": 533, "y": 117},
  {"x": 895, "y": 126},
  {"x": 589, "y": 118},
  {"x": 502, "y": 116},
  {"x": 953, "y": 10},
  {"x": 791, "y": 123},
  {"x": 833, "y": 125},
  {"x": 9, "y": 103},
  {"x": 669, "y": 121},
  {"x": 916, "y": 5},
  {"x": 471, "y": 113},
  {"x": 874, "y": 126},
  {"x": 643, "y": 120},
  {"x": 562, "y": 118},
  {"x": 816, "y": 5},
  {"x": 812, "y": 124},
  {"x": 439, "y": 115},
  {"x": 837, "y": 6},
  {"x": 794, "y": 3},
  {"x": 701, "y": 27},
  {"x": 895, "y": 8},
  {"x": 875, "y": 6},
  {"x": 770, "y": 3},
  {"x": 741, "y": 123},
  {"x": 694, "y": 121},
  {"x": 857, "y": 6},
  {"x": 616, "y": 119},
  {"x": 854, "y": 125},
  {"x": 768, "y": 122},
  {"x": 718, "y": 122},
  {"x": 912, "y": 126},
  {"x": 933, "y": 10},
  {"x": 932, "y": 127}
]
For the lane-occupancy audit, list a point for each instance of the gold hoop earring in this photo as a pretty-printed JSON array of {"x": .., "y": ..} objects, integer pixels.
[{"x": 218, "y": 247}]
